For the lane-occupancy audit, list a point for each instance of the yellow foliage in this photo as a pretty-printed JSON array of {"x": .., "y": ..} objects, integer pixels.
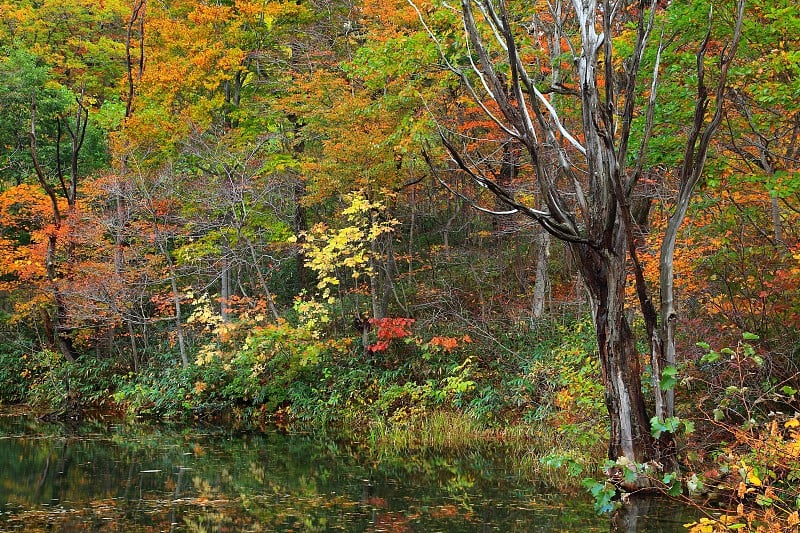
[
  {"x": 753, "y": 478},
  {"x": 712, "y": 525},
  {"x": 313, "y": 316},
  {"x": 705, "y": 525},
  {"x": 329, "y": 250},
  {"x": 207, "y": 354}
]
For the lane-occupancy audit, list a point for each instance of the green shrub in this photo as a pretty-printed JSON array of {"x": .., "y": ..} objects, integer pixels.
[{"x": 14, "y": 373}]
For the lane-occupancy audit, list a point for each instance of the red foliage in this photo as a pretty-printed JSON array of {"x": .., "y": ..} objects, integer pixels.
[{"x": 389, "y": 329}]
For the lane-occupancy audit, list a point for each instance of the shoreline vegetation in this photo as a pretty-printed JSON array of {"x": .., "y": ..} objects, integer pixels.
[
  {"x": 536, "y": 454},
  {"x": 555, "y": 434}
]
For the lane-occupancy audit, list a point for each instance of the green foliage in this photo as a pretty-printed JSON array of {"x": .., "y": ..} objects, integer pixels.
[
  {"x": 293, "y": 370},
  {"x": 557, "y": 461},
  {"x": 739, "y": 387},
  {"x": 49, "y": 379},
  {"x": 24, "y": 77},
  {"x": 604, "y": 494},
  {"x": 264, "y": 368},
  {"x": 755, "y": 461},
  {"x": 158, "y": 393},
  {"x": 669, "y": 377},
  {"x": 272, "y": 361},
  {"x": 565, "y": 386},
  {"x": 49, "y": 375},
  {"x": 392, "y": 58},
  {"x": 670, "y": 425},
  {"x": 14, "y": 373}
]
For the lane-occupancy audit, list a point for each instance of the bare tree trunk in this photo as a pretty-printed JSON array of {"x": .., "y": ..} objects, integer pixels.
[
  {"x": 411, "y": 227},
  {"x": 225, "y": 288},
  {"x": 388, "y": 270},
  {"x": 542, "y": 278},
  {"x": 55, "y": 323},
  {"x": 696, "y": 152},
  {"x": 777, "y": 224},
  {"x": 374, "y": 276},
  {"x": 506, "y": 225},
  {"x": 448, "y": 227},
  {"x": 63, "y": 340},
  {"x": 77, "y": 135},
  {"x": 176, "y": 299},
  {"x": 119, "y": 260},
  {"x": 134, "y": 350},
  {"x": 262, "y": 281},
  {"x": 137, "y": 14},
  {"x": 604, "y": 273},
  {"x": 304, "y": 276}
]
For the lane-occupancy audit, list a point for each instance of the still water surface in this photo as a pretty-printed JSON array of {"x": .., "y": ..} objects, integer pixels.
[{"x": 103, "y": 476}]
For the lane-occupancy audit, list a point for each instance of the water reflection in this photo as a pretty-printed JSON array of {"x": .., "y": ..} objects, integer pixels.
[{"x": 118, "y": 477}]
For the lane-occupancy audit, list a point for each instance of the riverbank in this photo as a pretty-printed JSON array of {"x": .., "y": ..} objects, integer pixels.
[{"x": 541, "y": 403}]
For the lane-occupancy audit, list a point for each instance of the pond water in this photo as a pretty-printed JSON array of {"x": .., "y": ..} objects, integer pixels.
[{"x": 111, "y": 476}]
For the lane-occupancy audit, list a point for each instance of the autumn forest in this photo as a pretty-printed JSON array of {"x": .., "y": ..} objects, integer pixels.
[{"x": 573, "y": 225}]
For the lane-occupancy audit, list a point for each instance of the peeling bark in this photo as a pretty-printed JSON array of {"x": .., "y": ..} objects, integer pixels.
[{"x": 604, "y": 275}]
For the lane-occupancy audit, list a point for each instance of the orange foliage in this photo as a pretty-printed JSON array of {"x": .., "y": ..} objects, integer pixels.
[
  {"x": 727, "y": 264},
  {"x": 26, "y": 219},
  {"x": 388, "y": 18},
  {"x": 449, "y": 344}
]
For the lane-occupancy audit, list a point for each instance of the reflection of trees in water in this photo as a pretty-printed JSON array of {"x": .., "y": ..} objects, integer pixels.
[
  {"x": 627, "y": 518},
  {"x": 170, "y": 477}
]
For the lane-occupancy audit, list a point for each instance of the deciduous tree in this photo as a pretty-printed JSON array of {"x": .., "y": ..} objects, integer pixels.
[{"x": 599, "y": 161}]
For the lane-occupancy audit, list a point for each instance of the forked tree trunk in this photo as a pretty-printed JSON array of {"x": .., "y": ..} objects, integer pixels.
[
  {"x": 262, "y": 280},
  {"x": 663, "y": 342},
  {"x": 137, "y": 14}
]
